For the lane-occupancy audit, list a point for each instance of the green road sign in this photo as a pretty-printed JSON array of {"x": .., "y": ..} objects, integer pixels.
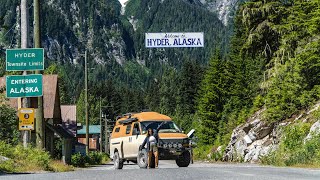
[
  {"x": 24, "y": 59},
  {"x": 24, "y": 86}
]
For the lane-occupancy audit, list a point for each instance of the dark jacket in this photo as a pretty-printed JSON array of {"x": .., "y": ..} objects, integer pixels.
[{"x": 155, "y": 134}]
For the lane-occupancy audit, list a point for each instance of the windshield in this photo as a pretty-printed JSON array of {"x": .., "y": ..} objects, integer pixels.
[{"x": 169, "y": 127}]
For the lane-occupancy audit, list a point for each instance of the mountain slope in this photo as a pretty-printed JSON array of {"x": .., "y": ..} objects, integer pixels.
[{"x": 114, "y": 42}]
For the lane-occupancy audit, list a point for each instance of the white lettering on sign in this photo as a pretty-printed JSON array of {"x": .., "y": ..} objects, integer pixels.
[
  {"x": 26, "y": 111},
  {"x": 24, "y": 81},
  {"x": 24, "y": 55},
  {"x": 35, "y": 63},
  {"x": 17, "y": 64},
  {"x": 161, "y": 40},
  {"x": 24, "y": 90}
]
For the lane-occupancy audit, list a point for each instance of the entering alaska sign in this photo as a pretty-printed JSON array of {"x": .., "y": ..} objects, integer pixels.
[
  {"x": 24, "y": 86},
  {"x": 24, "y": 59},
  {"x": 162, "y": 40}
]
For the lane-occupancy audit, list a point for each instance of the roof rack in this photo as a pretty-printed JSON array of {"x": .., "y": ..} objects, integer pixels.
[
  {"x": 127, "y": 114},
  {"x": 124, "y": 115},
  {"x": 119, "y": 117},
  {"x": 127, "y": 121}
]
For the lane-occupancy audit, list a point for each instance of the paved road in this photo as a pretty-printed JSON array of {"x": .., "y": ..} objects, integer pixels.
[{"x": 168, "y": 170}]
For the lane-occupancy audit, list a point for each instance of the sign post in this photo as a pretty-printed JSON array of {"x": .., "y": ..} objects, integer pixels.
[{"x": 26, "y": 119}]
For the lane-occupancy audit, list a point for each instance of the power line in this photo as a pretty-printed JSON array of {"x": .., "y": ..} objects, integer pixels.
[
  {"x": 15, "y": 23},
  {"x": 10, "y": 29}
]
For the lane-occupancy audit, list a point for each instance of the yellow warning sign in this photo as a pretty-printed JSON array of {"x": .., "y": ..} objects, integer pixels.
[{"x": 26, "y": 119}]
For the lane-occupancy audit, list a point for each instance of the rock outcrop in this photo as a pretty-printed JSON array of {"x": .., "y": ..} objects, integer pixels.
[
  {"x": 3, "y": 159},
  {"x": 314, "y": 131},
  {"x": 251, "y": 140},
  {"x": 256, "y": 138}
]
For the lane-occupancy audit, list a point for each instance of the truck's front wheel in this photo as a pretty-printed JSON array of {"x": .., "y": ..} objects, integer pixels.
[{"x": 184, "y": 159}]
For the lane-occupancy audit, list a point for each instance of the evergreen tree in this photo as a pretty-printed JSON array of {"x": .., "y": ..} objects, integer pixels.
[
  {"x": 188, "y": 83},
  {"x": 152, "y": 96},
  {"x": 214, "y": 92},
  {"x": 168, "y": 92}
]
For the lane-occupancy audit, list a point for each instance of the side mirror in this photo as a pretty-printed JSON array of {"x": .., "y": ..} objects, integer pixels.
[{"x": 191, "y": 133}]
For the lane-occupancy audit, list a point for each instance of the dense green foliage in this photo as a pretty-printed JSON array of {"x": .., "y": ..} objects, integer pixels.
[
  {"x": 293, "y": 150},
  {"x": 94, "y": 158},
  {"x": 8, "y": 125},
  {"x": 214, "y": 93},
  {"x": 28, "y": 160},
  {"x": 287, "y": 31},
  {"x": 23, "y": 159},
  {"x": 273, "y": 63}
]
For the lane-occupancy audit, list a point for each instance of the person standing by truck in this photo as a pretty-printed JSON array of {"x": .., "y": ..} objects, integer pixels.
[{"x": 151, "y": 140}]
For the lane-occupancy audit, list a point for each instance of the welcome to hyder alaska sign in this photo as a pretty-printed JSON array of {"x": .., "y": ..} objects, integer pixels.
[{"x": 163, "y": 40}]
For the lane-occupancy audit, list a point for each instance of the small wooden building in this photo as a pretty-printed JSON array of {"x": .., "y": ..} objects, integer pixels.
[{"x": 94, "y": 136}]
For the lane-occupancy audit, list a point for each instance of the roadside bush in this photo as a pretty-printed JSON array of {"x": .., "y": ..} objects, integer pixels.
[
  {"x": 8, "y": 125},
  {"x": 209, "y": 153},
  {"x": 217, "y": 155},
  {"x": 78, "y": 160},
  {"x": 201, "y": 152},
  {"x": 293, "y": 151},
  {"x": 94, "y": 158},
  {"x": 59, "y": 166},
  {"x": 23, "y": 159},
  {"x": 28, "y": 160}
]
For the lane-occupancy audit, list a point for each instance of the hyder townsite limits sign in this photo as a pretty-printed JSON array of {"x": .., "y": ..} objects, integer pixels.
[
  {"x": 24, "y": 86},
  {"x": 24, "y": 59}
]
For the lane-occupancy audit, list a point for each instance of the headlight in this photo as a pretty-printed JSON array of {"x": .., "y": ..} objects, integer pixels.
[
  {"x": 175, "y": 145},
  {"x": 180, "y": 145},
  {"x": 165, "y": 145},
  {"x": 170, "y": 145}
]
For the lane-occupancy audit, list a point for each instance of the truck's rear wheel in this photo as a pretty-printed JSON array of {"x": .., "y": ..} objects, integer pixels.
[
  {"x": 184, "y": 159},
  {"x": 117, "y": 162}
]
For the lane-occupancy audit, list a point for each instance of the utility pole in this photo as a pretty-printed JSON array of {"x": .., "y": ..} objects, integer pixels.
[
  {"x": 86, "y": 101},
  {"x": 100, "y": 127},
  {"x": 40, "y": 125},
  {"x": 24, "y": 45}
]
